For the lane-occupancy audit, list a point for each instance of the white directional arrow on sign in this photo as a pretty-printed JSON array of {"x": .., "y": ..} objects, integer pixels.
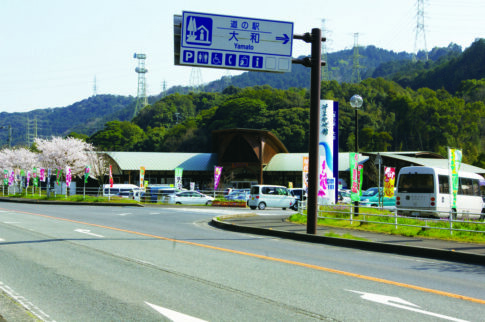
[
  {"x": 174, "y": 315},
  {"x": 88, "y": 232},
  {"x": 401, "y": 304}
]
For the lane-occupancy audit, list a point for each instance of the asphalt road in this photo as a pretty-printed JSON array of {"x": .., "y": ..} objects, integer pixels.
[{"x": 73, "y": 263}]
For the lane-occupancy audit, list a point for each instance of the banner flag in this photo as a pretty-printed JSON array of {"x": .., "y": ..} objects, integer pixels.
[
  {"x": 328, "y": 151},
  {"x": 217, "y": 176},
  {"x": 5, "y": 177},
  {"x": 110, "y": 176},
  {"x": 356, "y": 172},
  {"x": 42, "y": 174},
  {"x": 142, "y": 176},
  {"x": 454, "y": 164},
  {"x": 87, "y": 170},
  {"x": 11, "y": 180},
  {"x": 35, "y": 179},
  {"x": 68, "y": 176},
  {"x": 389, "y": 179},
  {"x": 178, "y": 178},
  {"x": 305, "y": 174}
]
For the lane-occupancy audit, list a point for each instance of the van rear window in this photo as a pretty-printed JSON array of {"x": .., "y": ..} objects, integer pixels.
[{"x": 416, "y": 183}]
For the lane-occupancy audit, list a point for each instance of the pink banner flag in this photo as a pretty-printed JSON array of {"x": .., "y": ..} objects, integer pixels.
[{"x": 217, "y": 176}]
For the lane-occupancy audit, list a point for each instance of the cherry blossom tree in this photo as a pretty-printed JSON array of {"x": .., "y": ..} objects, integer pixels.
[
  {"x": 20, "y": 158},
  {"x": 59, "y": 153}
]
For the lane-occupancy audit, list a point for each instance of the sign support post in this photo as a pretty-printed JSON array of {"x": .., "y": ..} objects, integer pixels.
[{"x": 315, "y": 62}]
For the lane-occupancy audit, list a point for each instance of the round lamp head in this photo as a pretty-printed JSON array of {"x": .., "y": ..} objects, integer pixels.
[{"x": 356, "y": 101}]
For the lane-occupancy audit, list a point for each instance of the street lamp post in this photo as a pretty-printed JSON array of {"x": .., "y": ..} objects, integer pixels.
[{"x": 356, "y": 102}]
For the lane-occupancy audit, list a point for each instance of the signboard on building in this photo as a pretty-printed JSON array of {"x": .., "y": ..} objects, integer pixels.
[{"x": 220, "y": 41}]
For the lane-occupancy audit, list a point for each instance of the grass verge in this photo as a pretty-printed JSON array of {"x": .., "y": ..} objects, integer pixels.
[{"x": 383, "y": 221}]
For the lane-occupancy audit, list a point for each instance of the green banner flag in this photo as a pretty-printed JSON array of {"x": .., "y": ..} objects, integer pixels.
[
  {"x": 35, "y": 178},
  {"x": 454, "y": 162},
  {"x": 178, "y": 177},
  {"x": 87, "y": 170}
]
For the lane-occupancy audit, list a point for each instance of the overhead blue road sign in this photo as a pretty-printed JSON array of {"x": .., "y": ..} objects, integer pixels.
[{"x": 218, "y": 41}]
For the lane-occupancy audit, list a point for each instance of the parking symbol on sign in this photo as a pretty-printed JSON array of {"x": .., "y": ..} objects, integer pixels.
[{"x": 189, "y": 56}]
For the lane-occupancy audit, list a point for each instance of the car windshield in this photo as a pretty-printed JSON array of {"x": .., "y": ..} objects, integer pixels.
[{"x": 370, "y": 192}]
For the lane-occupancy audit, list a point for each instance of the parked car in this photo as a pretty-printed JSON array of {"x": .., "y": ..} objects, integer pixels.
[
  {"x": 238, "y": 195},
  {"x": 370, "y": 198},
  {"x": 188, "y": 198},
  {"x": 263, "y": 196},
  {"x": 344, "y": 196},
  {"x": 299, "y": 194}
]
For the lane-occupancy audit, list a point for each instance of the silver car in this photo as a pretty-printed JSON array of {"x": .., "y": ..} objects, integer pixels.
[{"x": 188, "y": 198}]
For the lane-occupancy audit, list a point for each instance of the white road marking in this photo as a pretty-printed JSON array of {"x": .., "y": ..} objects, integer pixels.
[
  {"x": 401, "y": 304},
  {"x": 88, "y": 232},
  {"x": 29, "y": 306},
  {"x": 174, "y": 315},
  {"x": 125, "y": 214}
]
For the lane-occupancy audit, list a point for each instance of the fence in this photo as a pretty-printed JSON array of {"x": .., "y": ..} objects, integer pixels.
[
  {"x": 61, "y": 190},
  {"x": 470, "y": 222}
]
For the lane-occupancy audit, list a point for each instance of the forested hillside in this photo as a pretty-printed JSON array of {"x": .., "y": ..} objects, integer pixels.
[
  {"x": 86, "y": 117},
  {"x": 392, "y": 119}
]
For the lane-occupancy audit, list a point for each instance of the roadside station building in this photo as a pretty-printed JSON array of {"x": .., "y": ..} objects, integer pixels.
[{"x": 251, "y": 157}]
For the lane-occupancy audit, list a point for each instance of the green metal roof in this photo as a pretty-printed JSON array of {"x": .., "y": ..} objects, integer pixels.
[
  {"x": 431, "y": 162},
  {"x": 164, "y": 161},
  {"x": 294, "y": 161}
]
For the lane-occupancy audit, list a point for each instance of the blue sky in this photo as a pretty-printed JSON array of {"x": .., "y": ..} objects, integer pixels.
[{"x": 52, "y": 50}]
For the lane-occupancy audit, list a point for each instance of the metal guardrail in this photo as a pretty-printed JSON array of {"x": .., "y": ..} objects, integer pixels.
[
  {"x": 57, "y": 190},
  {"x": 345, "y": 212}
]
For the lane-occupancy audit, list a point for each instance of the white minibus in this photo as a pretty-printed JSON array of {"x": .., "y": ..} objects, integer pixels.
[
  {"x": 122, "y": 190},
  {"x": 425, "y": 192}
]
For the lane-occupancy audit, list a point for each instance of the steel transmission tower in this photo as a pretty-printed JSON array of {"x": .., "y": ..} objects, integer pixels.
[
  {"x": 141, "y": 96},
  {"x": 355, "y": 60},
  {"x": 420, "y": 39},
  {"x": 94, "y": 87},
  {"x": 195, "y": 79},
  {"x": 325, "y": 72}
]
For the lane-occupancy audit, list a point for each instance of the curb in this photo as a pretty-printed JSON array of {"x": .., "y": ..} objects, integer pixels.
[{"x": 431, "y": 253}]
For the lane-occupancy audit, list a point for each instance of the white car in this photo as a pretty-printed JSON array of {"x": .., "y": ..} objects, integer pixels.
[{"x": 188, "y": 198}]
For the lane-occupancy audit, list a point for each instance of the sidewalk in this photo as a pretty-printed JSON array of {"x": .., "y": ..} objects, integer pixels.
[{"x": 428, "y": 248}]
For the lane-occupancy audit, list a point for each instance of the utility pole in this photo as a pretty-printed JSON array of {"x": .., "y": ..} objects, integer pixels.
[
  {"x": 325, "y": 72},
  {"x": 315, "y": 62}
]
